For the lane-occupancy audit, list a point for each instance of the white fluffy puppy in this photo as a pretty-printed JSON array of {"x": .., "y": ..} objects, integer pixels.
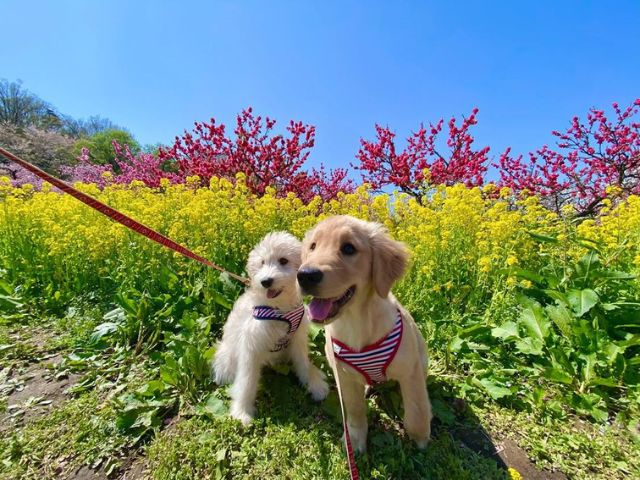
[{"x": 268, "y": 324}]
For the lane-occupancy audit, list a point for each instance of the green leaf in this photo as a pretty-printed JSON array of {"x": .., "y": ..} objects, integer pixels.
[
  {"x": 168, "y": 375},
  {"x": 5, "y": 287},
  {"x": 221, "y": 299},
  {"x": 535, "y": 321},
  {"x": 604, "y": 382},
  {"x": 214, "y": 407},
  {"x": 588, "y": 368},
  {"x": 495, "y": 390},
  {"x": 630, "y": 342},
  {"x": 443, "y": 411},
  {"x": 562, "y": 318},
  {"x": 456, "y": 343},
  {"x": 557, "y": 296},
  {"x": 209, "y": 353},
  {"x": 221, "y": 455},
  {"x": 528, "y": 275},
  {"x": 103, "y": 330},
  {"x": 506, "y": 331},
  {"x": 587, "y": 264},
  {"x": 560, "y": 361},
  {"x": 474, "y": 330},
  {"x": 543, "y": 238},
  {"x": 529, "y": 346},
  {"x": 612, "y": 275},
  {"x": 151, "y": 388},
  {"x": 582, "y": 300},
  {"x": 558, "y": 376}
]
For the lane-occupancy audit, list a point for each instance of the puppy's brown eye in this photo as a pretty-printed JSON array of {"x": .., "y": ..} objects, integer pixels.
[
  {"x": 312, "y": 246},
  {"x": 283, "y": 261},
  {"x": 348, "y": 249}
]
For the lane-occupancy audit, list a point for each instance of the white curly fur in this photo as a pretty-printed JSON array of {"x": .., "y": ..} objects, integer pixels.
[{"x": 246, "y": 342}]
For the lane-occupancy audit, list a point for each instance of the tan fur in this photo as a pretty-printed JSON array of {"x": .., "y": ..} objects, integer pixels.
[{"x": 379, "y": 262}]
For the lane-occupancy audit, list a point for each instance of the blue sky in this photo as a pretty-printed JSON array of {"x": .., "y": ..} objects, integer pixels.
[{"x": 157, "y": 66}]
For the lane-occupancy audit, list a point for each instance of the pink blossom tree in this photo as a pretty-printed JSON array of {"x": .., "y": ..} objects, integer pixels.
[
  {"x": 589, "y": 157},
  {"x": 460, "y": 162},
  {"x": 267, "y": 159}
]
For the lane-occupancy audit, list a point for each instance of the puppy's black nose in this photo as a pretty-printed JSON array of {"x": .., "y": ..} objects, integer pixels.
[
  {"x": 267, "y": 282},
  {"x": 309, "y": 277}
]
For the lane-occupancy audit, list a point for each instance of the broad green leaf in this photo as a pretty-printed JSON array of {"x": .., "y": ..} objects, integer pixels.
[
  {"x": 221, "y": 455},
  {"x": 558, "y": 376},
  {"x": 455, "y": 345},
  {"x": 582, "y": 300},
  {"x": 151, "y": 388},
  {"x": 495, "y": 390},
  {"x": 221, "y": 300},
  {"x": 556, "y": 295},
  {"x": 560, "y": 360},
  {"x": 604, "y": 382},
  {"x": 562, "y": 318},
  {"x": 587, "y": 264},
  {"x": 535, "y": 321},
  {"x": 103, "y": 330},
  {"x": 5, "y": 287},
  {"x": 474, "y": 330},
  {"x": 506, "y": 331},
  {"x": 214, "y": 407},
  {"x": 209, "y": 353},
  {"x": 529, "y": 346},
  {"x": 588, "y": 368},
  {"x": 611, "y": 350},
  {"x": 127, "y": 304},
  {"x": 443, "y": 411},
  {"x": 168, "y": 375}
]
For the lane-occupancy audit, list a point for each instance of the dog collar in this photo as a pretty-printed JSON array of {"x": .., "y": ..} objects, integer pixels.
[
  {"x": 372, "y": 361},
  {"x": 293, "y": 318}
]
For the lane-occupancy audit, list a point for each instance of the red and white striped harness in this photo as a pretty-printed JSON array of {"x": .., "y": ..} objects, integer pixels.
[
  {"x": 372, "y": 361},
  {"x": 292, "y": 318}
]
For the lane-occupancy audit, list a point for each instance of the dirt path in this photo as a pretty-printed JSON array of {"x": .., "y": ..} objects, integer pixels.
[
  {"x": 33, "y": 384},
  {"x": 506, "y": 453}
]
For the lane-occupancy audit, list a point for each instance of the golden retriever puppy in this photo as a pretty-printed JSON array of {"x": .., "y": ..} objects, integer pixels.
[{"x": 348, "y": 267}]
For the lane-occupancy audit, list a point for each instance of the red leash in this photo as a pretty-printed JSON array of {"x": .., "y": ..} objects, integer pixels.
[
  {"x": 351, "y": 459},
  {"x": 167, "y": 242},
  {"x": 119, "y": 217}
]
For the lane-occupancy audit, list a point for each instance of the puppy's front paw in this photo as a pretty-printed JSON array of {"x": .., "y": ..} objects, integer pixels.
[
  {"x": 239, "y": 413},
  {"x": 316, "y": 384},
  {"x": 358, "y": 439},
  {"x": 319, "y": 389},
  {"x": 422, "y": 444}
]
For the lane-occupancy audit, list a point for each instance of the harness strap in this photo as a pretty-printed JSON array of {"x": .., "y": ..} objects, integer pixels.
[
  {"x": 372, "y": 361},
  {"x": 293, "y": 319}
]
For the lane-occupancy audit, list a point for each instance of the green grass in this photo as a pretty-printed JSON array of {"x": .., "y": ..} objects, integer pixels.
[
  {"x": 292, "y": 437},
  {"x": 82, "y": 432},
  {"x": 579, "y": 449}
]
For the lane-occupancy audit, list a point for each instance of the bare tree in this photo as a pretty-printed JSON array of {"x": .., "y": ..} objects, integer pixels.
[{"x": 20, "y": 107}]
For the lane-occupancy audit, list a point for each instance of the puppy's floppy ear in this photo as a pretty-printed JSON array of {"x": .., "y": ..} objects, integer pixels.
[
  {"x": 389, "y": 260},
  {"x": 253, "y": 263}
]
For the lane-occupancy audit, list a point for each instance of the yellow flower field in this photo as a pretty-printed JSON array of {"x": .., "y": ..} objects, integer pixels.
[{"x": 462, "y": 239}]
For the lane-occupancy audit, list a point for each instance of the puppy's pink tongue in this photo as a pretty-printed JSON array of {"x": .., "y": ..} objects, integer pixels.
[{"x": 320, "y": 308}]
